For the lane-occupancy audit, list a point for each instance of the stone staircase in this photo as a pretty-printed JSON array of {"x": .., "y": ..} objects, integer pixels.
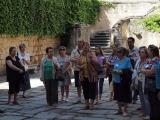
[{"x": 101, "y": 38}]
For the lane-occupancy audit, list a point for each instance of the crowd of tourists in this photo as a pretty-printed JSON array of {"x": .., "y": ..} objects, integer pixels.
[{"x": 131, "y": 73}]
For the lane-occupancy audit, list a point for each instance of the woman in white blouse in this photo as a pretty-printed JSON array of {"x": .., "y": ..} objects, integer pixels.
[{"x": 25, "y": 59}]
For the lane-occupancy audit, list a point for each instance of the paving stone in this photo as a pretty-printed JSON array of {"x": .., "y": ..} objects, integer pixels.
[
  {"x": 12, "y": 118},
  {"x": 35, "y": 107},
  {"x": 46, "y": 115},
  {"x": 65, "y": 117},
  {"x": 88, "y": 118}
]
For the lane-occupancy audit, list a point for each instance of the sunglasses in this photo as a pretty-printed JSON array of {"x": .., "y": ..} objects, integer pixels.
[
  {"x": 141, "y": 51},
  {"x": 119, "y": 51}
]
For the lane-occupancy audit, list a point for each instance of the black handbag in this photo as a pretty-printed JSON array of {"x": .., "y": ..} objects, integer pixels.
[
  {"x": 59, "y": 76},
  {"x": 150, "y": 84},
  {"x": 98, "y": 68}
]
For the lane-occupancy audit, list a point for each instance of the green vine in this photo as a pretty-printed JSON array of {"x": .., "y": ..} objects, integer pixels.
[
  {"x": 45, "y": 17},
  {"x": 152, "y": 23}
]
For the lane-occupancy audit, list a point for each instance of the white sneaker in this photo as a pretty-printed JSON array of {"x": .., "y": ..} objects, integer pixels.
[
  {"x": 146, "y": 118},
  {"x": 66, "y": 100}
]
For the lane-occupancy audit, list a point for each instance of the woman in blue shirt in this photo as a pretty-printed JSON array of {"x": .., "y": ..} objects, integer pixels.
[{"x": 121, "y": 77}]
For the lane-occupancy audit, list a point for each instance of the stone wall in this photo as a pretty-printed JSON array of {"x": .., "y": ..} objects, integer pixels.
[
  {"x": 35, "y": 46},
  {"x": 146, "y": 37},
  {"x": 102, "y": 24},
  {"x": 128, "y": 8}
]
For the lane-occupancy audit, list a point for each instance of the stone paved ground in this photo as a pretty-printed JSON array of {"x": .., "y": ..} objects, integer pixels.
[{"x": 34, "y": 107}]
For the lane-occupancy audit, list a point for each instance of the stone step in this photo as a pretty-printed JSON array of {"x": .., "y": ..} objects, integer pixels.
[
  {"x": 103, "y": 32},
  {"x": 99, "y": 44},
  {"x": 99, "y": 41},
  {"x": 100, "y": 38},
  {"x": 99, "y": 35}
]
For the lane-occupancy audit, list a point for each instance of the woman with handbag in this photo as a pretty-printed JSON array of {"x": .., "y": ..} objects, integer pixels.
[
  {"x": 65, "y": 72},
  {"x": 48, "y": 67}
]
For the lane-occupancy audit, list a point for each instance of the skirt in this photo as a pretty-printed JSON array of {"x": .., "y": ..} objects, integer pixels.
[
  {"x": 122, "y": 93},
  {"x": 25, "y": 82}
]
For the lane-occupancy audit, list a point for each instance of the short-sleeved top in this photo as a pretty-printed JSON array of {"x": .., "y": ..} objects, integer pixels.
[
  {"x": 11, "y": 74},
  {"x": 101, "y": 59},
  {"x": 24, "y": 56},
  {"x": 76, "y": 53},
  {"x": 138, "y": 66},
  {"x": 134, "y": 55},
  {"x": 48, "y": 70},
  {"x": 85, "y": 69},
  {"x": 112, "y": 59},
  {"x": 63, "y": 62},
  {"x": 150, "y": 63},
  {"x": 120, "y": 65}
]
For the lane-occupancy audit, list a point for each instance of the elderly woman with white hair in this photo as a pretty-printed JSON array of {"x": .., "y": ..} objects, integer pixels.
[{"x": 25, "y": 60}]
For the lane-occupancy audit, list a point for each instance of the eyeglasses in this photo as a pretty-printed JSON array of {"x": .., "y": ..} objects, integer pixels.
[
  {"x": 62, "y": 49},
  {"x": 50, "y": 51}
]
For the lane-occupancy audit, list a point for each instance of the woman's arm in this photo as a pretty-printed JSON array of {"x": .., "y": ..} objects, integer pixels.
[
  {"x": 13, "y": 67},
  {"x": 148, "y": 71},
  {"x": 27, "y": 62}
]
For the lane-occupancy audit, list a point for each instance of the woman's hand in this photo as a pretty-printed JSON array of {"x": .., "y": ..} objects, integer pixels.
[
  {"x": 80, "y": 66},
  {"x": 20, "y": 71},
  {"x": 143, "y": 70},
  {"x": 117, "y": 71}
]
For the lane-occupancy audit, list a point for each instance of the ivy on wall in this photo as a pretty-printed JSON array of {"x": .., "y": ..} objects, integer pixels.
[
  {"x": 45, "y": 17},
  {"x": 152, "y": 23}
]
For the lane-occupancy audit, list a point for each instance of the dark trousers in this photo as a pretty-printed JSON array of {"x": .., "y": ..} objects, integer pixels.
[
  {"x": 14, "y": 85},
  {"x": 135, "y": 94},
  {"x": 110, "y": 78},
  {"x": 89, "y": 89},
  {"x": 51, "y": 87},
  {"x": 154, "y": 106},
  {"x": 77, "y": 80},
  {"x": 99, "y": 86}
]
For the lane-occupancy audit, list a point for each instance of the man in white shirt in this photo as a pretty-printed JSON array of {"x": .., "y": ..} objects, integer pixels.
[
  {"x": 133, "y": 51},
  {"x": 75, "y": 56},
  {"x": 134, "y": 56}
]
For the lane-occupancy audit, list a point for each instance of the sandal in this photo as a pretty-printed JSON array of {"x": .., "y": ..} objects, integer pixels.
[
  {"x": 86, "y": 107},
  {"x": 118, "y": 113},
  {"x": 15, "y": 103}
]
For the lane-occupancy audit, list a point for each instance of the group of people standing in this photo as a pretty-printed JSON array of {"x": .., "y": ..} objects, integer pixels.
[
  {"x": 131, "y": 72},
  {"x": 135, "y": 72}
]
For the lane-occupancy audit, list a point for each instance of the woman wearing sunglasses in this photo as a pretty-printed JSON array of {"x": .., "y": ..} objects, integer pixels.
[
  {"x": 121, "y": 76},
  {"x": 65, "y": 68}
]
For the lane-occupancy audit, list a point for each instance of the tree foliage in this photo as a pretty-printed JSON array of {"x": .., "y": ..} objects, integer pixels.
[
  {"x": 152, "y": 23},
  {"x": 45, "y": 17}
]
